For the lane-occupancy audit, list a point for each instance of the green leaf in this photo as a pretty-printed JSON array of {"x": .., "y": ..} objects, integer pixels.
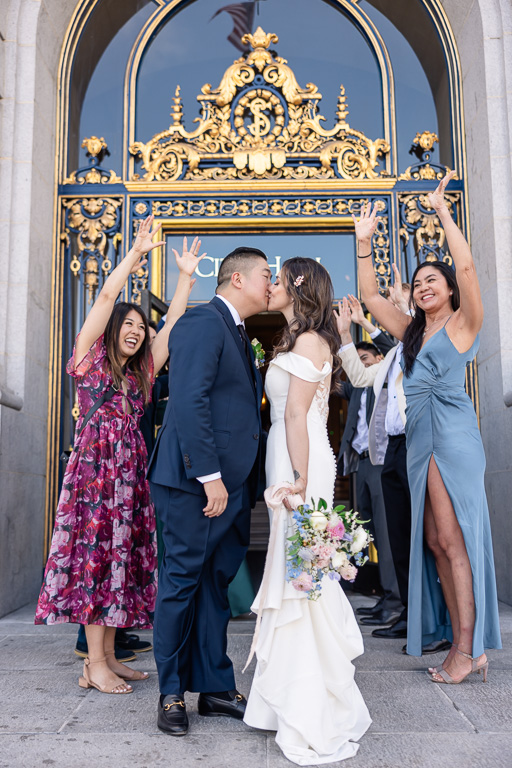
[
  {"x": 322, "y": 504},
  {"x": 339, "y": 508}
]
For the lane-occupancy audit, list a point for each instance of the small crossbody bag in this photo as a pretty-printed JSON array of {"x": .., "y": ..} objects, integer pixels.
[{"x": 107, "y": 395}]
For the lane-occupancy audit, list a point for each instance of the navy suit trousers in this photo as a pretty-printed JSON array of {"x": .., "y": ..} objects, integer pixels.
[{"x": 201, "y": 557}]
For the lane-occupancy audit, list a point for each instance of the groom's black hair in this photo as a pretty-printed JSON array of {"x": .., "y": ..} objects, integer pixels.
[{"x": 237, "y": 261}]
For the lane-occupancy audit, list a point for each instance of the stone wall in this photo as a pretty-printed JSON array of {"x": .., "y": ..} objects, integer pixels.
[
  {"x": 33, "y": 32},
  {"x": 483, "y": 30}
]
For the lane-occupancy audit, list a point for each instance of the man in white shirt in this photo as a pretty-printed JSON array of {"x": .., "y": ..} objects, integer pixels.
[{"x": 369, "y": 501}]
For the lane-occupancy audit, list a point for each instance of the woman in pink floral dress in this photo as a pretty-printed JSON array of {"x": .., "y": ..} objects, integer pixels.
[{"x": 101, "y": 571}]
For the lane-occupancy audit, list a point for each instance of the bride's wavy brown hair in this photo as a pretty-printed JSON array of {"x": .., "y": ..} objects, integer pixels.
[
  {"x": 139, "y": 364},
  {"x": 313, "y": 300}
]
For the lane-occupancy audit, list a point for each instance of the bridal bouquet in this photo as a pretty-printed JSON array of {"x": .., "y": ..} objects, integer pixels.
[{"x": 325, "y": 543}]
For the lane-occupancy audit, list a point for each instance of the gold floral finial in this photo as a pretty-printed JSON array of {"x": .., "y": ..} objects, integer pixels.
[
  {"x": 426, "y": 140},
  {"x": 94, "y": 145},
  {"x": 260, "y": 39}
]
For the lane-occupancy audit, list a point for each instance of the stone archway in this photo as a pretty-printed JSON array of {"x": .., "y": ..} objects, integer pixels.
[{"x": 34, "y": 33}]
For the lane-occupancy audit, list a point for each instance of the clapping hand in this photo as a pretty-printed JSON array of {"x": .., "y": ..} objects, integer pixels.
[
  {"x": 343, "y": 317},
  {"x": 189, "y": 259},
  {"x": 356, "y": 310},
  {"x": 436, "y": 198},
  {"x": 396, "y": 293}
]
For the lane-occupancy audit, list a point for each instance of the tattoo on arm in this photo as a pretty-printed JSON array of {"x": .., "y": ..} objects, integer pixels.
[{"x": 296, "y": 475}]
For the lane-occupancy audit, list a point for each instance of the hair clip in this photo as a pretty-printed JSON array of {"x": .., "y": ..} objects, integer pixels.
[{"x": 298, "y": 281}]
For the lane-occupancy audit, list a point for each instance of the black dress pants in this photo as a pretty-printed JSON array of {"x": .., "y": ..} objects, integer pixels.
[
  {"x": 397, "y": 500},
  {"x": 201, "y": 557}
]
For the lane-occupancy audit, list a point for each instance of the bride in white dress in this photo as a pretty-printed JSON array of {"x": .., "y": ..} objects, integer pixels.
[{"x": 304, "y": 686}]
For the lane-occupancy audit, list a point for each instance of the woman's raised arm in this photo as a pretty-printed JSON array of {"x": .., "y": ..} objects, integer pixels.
[
  {"x": 98, "y": 317},
  {"x": 470, "y": 316},
  {"x": 394, "y": 321},
  {"x": 187, "y": 263}
]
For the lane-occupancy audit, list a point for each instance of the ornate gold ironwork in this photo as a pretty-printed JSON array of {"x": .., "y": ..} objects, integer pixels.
[
  {"x": 381, "y": 251},
  {"x": 211, "y": 207},
  {"x": 138, "y": 281},
  {"x": 93, "y": 220},
  {"x": 424, "y": 170},
  {"x": 419, "y": 220},
  {"x": 259, "y": 123},
  {"x": 94, "y": 173}
]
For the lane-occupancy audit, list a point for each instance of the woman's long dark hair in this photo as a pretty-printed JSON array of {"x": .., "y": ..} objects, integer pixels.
[
  {"x": 413, "y": 337},
  {"x": 139, "y": 363},
  {"x": 313, "y": 310}
]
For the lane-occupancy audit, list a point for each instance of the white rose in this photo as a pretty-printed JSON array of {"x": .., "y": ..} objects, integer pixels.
[
  {"x": 339, "y": 559},
  {"x": 318, "y": 521},
  {"x": 359, "y": 541}
]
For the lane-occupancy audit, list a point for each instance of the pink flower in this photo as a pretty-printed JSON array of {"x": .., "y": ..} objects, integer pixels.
[
  {"x": 348, "y": 572},
  {"x": 336, "y": 532},
  {"x": 304, "y": 582},
  {"x": 323, "y": 553}
]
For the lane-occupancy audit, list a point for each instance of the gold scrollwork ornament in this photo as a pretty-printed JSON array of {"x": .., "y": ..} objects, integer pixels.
[
  {"x": 421, "y": 221},
  {"x": 90, "y": 219},
  {"x": 272, "y": 130}
]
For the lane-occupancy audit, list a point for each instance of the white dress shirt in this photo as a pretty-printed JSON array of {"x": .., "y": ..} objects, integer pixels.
[
  {"x": 238, "y": 321},
  {"x": 360, "y": 440},
  {"x": 394, "y": 423}
]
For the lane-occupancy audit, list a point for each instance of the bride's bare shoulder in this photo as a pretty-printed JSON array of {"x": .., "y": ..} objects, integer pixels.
[{"x": 312, "y": 346}]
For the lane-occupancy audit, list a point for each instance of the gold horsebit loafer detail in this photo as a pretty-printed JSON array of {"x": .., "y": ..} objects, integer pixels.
[{"x": 167, "y": 707}]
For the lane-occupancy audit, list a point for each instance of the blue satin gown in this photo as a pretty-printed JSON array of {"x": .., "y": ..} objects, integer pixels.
[{"x": 441, "y": 422}]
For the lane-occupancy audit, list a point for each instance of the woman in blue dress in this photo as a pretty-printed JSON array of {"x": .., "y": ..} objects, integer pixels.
[{"x": 452, "y": 585}]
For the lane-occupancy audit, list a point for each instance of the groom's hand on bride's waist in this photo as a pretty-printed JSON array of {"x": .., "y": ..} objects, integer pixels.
[{"x": 217, "y": 498}]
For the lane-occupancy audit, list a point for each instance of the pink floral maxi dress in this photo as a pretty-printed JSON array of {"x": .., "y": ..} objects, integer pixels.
[{"x": 102, "y": 563}]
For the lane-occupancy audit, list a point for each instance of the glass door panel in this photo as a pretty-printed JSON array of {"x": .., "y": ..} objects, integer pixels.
[{"x": 336, "y": 252}]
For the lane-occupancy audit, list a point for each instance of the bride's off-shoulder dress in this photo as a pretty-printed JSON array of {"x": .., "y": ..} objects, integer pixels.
[{"x": 304, "y": 687}]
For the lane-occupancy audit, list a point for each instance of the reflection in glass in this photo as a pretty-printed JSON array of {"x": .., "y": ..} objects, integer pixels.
[
  {"x": 336, "y": 252},
  {"x": 414, "y": 103},
  {"x": 102, "y": 107}
]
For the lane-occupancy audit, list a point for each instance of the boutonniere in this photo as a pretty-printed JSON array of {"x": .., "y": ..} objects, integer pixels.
[{"x": 259, "y": 353}]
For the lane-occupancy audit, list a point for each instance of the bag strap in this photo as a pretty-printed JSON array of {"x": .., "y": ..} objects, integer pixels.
[{"x": 107, "y": 395}]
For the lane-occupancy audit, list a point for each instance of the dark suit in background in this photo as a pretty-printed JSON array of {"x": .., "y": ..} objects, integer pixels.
[
  {"x": 369, "y": 496},
  {"x": 211, "y": 424}
]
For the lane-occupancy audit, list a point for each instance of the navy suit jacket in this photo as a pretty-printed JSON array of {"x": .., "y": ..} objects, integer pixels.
[{"x": 212, "y": 422}]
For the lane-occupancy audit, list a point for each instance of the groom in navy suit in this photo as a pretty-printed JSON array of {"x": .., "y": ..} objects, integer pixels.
[{"x": 203, "y": 474}]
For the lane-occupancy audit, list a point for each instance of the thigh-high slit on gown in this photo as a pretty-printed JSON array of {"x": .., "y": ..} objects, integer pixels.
[
  {"x": 304, "y": 687},
  {"x": 441, "y": 423}
]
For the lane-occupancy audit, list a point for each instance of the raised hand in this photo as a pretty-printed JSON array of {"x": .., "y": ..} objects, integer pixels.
[
  {"x": 356, "y": 310},
  {"x": 343, "y": 317},
  {"x": 396, "y": 293},
  {"x": 366, "y": 225},
  {"x": 189, "y": 259},
  {"x": 143, "y": 242},
  {"x": 436, "y": 198}
]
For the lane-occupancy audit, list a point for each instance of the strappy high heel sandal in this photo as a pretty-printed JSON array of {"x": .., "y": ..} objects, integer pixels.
[
  {"x": 436, "y": 670},
  {"x": 135, "y": 673},
  {"x": 449, "y": 680},
  {"x": 84, "y": 681}
]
